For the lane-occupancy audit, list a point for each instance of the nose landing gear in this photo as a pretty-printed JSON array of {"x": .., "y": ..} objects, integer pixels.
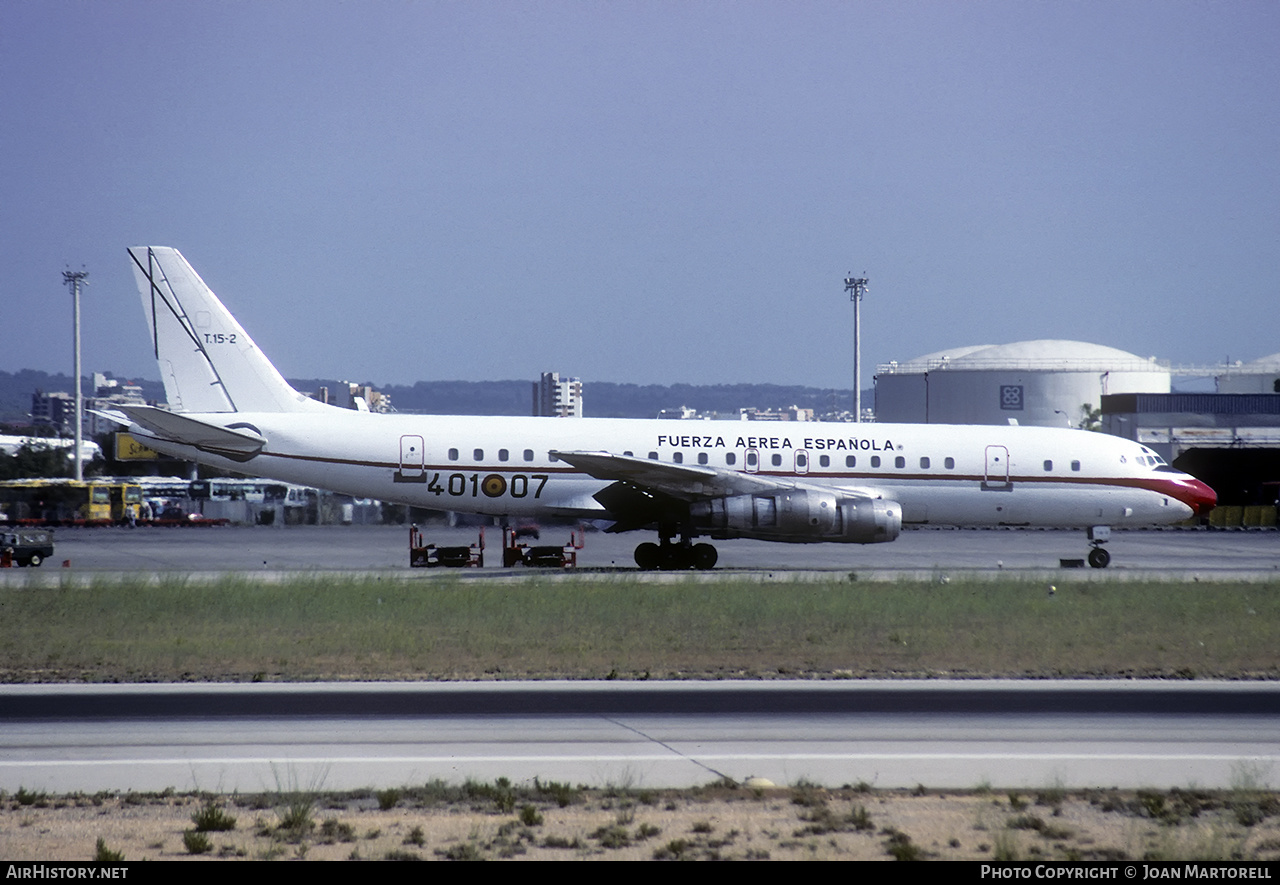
[{"x": 1098, "y": 556}]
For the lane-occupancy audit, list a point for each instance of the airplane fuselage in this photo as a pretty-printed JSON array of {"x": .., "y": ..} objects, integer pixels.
[
  {"x": 506, "y": 467},
  {"x": 796, "y": 482}
]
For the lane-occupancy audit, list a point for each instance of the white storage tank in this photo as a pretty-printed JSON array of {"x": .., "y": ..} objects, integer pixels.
[
  {"x": 1258, "y": 376},
  {"x": 900, "y": 387},
  {"x": 1045, "y": 383}
]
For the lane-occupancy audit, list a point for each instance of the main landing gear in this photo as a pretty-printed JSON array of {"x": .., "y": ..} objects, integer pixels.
[
  {"x": 672, "y": 555},
  {"x": 1098, "y": 556}
]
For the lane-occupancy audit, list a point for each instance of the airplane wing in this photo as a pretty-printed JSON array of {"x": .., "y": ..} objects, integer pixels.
[
  {"x": 641, "y": 489},
  {"x": 685, "y": 482},
  {"x": 240, "y": 443}
]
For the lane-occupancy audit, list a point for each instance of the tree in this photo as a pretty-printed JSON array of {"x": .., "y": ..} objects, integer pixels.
[
  {"x": 34, "y": 460},
  {"x": 1090, "y": 418}
]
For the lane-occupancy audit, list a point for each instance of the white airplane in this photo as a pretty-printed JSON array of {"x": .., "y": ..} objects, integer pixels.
[
  {"x": 10, "y": 445},
  {"x": 799, "y": 483}
]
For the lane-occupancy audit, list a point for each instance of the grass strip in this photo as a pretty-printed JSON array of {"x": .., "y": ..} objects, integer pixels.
[{"x": 353, "y": 627}]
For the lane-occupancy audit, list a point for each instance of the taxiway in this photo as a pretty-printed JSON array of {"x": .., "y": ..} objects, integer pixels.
[
  {"x": 887, "y": 734},
  {"x": 1182, "y": 553}
]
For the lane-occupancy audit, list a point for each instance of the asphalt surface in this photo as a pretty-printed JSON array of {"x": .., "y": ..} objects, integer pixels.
[
  {"x": 888, "y": 734},
  {"x": 1179, "y": 553}
]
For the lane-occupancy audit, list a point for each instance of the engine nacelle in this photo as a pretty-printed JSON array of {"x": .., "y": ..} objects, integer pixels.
[{"x": 799, "y": 516}]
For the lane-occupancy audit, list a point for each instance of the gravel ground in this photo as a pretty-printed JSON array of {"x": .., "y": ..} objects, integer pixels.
[{"x": 713, "y": 823}]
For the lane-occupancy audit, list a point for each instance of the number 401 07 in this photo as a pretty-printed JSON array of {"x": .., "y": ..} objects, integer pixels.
[{"x": 492, "y": 486}]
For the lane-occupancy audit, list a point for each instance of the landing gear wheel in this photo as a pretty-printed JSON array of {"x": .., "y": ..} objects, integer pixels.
[
  {"x": 35, "y": 560},
  {"x": 1099, "y": 558},
  {"x": 704, "y": 556},
  {"x": 648, "y": 556},
  {"x": 677, "y": 558}
]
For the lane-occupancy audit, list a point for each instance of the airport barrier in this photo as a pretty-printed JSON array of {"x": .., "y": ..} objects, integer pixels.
[{"x": 1253, "y": 516}]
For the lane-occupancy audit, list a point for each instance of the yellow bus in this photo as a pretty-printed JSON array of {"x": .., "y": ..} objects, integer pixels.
[{"x": 67, "y": 502}]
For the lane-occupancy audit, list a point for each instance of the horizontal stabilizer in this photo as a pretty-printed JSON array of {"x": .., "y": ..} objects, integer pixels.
[{"x": 238, "y": 443}]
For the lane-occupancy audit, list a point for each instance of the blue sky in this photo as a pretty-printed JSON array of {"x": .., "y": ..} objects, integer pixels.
[{"x": 650, "y": 192}]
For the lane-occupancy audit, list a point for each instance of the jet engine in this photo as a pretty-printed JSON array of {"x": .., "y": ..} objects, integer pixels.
[{"x": 799, "y": 516}]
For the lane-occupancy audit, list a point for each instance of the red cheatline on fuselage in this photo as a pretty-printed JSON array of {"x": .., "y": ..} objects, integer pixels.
[{"x": 1192, "y": 492}]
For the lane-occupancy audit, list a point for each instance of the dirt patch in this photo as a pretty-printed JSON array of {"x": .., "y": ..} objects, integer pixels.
[{"x": 723, "y": 822}]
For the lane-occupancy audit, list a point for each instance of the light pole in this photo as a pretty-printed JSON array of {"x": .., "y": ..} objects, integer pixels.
[
  {"x": 74, "y": 278},
  {"x": 856, "y": 287}
]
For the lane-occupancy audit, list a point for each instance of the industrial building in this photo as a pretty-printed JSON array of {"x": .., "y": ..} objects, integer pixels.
[
  {"x": 1229, "y": 440},
  {"x": 1174, "y": 423}
]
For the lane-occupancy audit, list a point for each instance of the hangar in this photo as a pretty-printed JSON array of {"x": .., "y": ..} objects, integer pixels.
[{"x": 1229, "y": 440}]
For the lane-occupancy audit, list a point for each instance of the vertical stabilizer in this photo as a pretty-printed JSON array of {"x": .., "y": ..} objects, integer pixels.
[{"x": 207, "y": 361}]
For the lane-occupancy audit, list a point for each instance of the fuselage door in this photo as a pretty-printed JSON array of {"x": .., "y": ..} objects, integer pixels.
[
  {"x": 997, "y": 469},
  {"x": 412, "y": 456},
  {"x": 751, "y": 460}
]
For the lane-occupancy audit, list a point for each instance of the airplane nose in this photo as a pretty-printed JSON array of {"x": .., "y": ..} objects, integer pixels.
[{"x": 1200, "y": 497}]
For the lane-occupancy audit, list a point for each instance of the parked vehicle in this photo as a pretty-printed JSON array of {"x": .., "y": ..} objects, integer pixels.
[{"x": 27, "y": 546}]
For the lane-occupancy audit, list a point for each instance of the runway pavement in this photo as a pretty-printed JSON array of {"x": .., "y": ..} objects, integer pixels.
[
  {"x": 1178, "y": 553},
  {"x": 888, "y": 734}
]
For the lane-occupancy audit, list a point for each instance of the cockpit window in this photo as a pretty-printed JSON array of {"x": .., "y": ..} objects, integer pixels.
[{"x": 1150, "y": 458}]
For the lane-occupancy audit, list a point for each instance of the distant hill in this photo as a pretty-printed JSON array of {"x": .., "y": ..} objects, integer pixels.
[{"x": 602, "y": 399}]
